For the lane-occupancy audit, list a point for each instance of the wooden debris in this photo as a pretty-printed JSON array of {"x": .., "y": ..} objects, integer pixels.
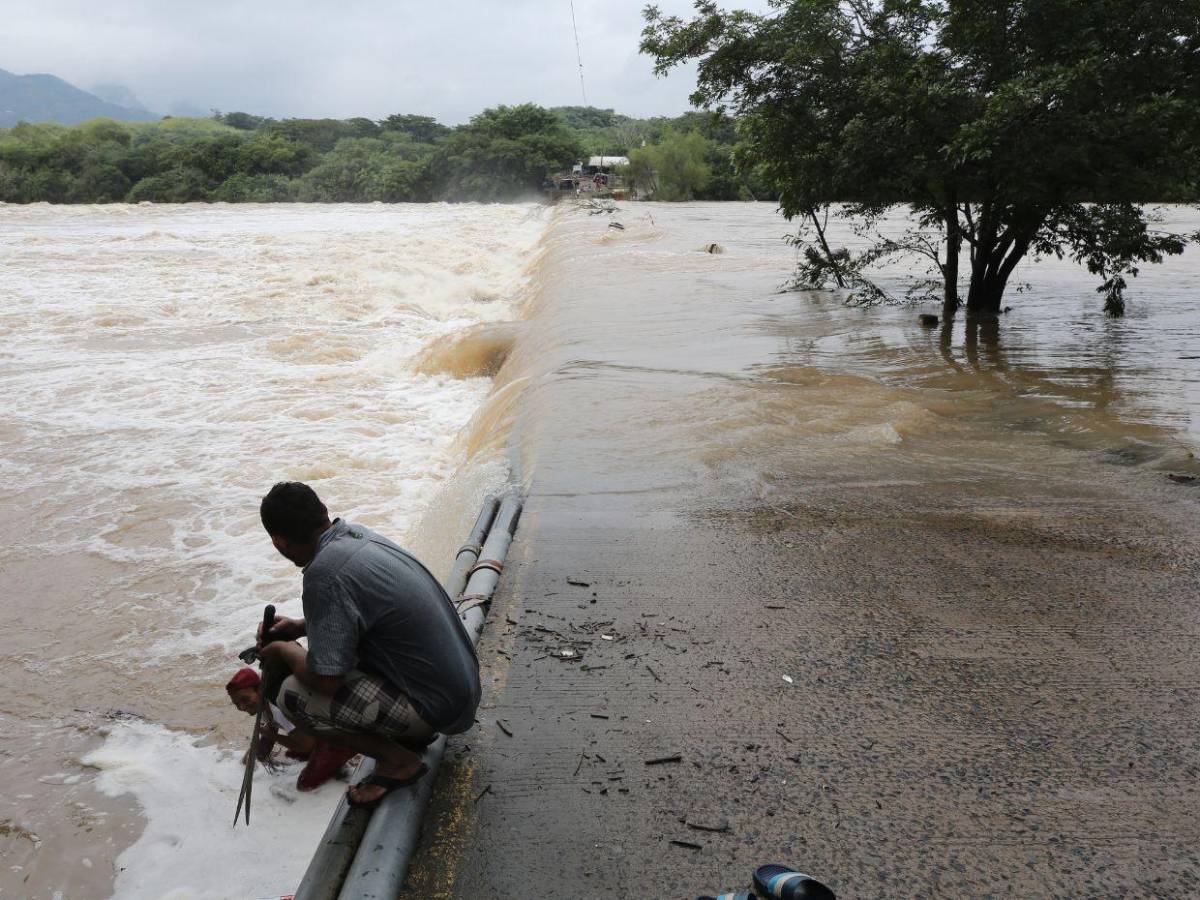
[
  {"x": 660, "y": 760},
  {"x": 721, "y": 827}
]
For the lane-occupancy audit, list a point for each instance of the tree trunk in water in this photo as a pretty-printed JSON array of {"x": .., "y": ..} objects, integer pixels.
[
  {"x": 950, "y": 272},
  {"x": 837, "y": 272},
  {"x": 994, "y": 259},
  {"x": 986, "y": 295},
  {"x": 989, "y": 277}
]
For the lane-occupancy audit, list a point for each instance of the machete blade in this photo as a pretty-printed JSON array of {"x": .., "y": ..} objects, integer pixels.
[
  {"x": 252, "y": 753},
  {"x": 251, "y": 757}
]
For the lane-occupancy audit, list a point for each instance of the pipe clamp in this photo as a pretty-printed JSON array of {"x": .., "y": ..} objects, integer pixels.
[{"x": 494, "y": 564}]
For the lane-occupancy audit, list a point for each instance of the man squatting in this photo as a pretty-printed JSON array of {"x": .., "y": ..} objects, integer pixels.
[{"x": 388, "y": 664}]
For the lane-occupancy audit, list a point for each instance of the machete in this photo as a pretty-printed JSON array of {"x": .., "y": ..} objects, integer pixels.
[{"x": 252, "y": 753}]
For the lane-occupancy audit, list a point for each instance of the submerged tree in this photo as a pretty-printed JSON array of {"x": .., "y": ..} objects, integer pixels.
[{"x": 1013, "y": 127}]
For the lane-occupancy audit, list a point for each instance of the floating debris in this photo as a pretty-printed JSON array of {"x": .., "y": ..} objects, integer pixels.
[
  {"x": 788, "y": 679},
  {"x": 661, "y": 760},
  {"x": 720, "y": 827}
]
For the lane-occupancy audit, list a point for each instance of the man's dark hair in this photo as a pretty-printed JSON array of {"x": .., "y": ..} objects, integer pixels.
[{"x": 293, "y": 510}]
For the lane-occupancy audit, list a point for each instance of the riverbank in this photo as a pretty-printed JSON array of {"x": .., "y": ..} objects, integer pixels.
[{"x": 914, "y": 612}]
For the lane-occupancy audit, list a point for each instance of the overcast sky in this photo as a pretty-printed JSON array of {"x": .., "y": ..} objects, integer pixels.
[{"x": 346, "y": 58}]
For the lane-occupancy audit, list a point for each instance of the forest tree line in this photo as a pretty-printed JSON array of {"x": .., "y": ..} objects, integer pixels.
[{"x": 502, "y": 154}]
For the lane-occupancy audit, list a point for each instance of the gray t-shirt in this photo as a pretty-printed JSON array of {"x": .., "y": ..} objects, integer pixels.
[{"x": 371, "y": 606}]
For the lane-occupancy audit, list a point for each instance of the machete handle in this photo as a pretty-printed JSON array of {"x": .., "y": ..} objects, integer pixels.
[{"x": 268, "y": 622}]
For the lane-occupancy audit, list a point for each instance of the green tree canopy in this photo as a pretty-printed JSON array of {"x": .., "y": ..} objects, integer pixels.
[
  {"x": 1014, "y": 127},
  {"x": 181, "y": 184},
  {"x": 242, "y": 121},
  {"x": 505, "y": 153},
  {"x": 271, "y": 154},
  {"x": 319, "y": 135},
  {"x": 363, "y": 169},
  {"x": 243, "y": 188},
  {"x": 422, "y": 129},
  {"x": 676, "y": 168},
  {"x": 582, "y": 117}
]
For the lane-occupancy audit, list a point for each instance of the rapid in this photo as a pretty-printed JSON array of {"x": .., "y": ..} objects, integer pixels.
[{"x": 163, "y": 366}]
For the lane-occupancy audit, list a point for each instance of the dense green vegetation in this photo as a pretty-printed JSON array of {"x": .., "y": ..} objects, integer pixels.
[
  {"x": 703, "y": 141},
  {"x": 1012, "y": 129},
  {"x": 501, "y": 154}
]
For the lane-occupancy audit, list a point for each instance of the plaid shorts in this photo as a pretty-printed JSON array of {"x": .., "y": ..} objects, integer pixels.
[{"x": 364, "y": 703}]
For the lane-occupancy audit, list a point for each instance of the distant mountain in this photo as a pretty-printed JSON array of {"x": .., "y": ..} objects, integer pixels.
[
  {"x": 120, "y": 95},
  {"x": 189, "y": 110},
  {"x": 46, "y": 98}
]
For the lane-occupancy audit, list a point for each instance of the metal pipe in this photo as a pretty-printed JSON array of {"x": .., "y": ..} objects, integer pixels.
[
  {"x": 333, "y": 855},
  {"x": 381, "y": 863},
  {"x": 469, "y": 552},
  {"x": 323, "y": 878}
]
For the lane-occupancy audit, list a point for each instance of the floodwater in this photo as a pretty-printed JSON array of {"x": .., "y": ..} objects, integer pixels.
[
  {"x": 164, "y": 365},
  {"x": 869, "y": 378},
  {"x": 915, "y": 609}
]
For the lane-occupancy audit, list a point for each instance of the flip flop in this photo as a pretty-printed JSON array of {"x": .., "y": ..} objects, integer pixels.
[
  {"x": 740, "y": 895},
  {"x": 388, "y": 784},
  {"x": 788, "y": 884}
]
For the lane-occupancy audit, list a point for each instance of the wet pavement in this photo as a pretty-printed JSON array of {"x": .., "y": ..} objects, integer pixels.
[{"x": 918, "y": 640}]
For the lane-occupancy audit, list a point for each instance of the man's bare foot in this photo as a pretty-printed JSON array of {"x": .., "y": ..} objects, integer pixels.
[{"x": 367, "y": 793}]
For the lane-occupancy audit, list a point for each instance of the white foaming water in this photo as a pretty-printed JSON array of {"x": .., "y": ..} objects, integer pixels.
[
  {"x": 164, "y": 366},
  {"x": 188, "y": 850}
]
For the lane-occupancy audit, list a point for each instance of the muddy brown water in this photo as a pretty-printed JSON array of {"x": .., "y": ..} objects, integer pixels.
[
  {"x": 916, "y": 609},
  {"x": 960, "y": 545},
  {"x": 163, "y": 366}
]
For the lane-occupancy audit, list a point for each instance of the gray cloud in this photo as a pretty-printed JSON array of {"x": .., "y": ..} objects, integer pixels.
[{"x": 346, "y": 58}]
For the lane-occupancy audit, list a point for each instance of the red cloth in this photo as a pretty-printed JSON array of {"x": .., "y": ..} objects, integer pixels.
[
  {"x": 325, "y": 762},
  {"x": 245, "y": 678}
]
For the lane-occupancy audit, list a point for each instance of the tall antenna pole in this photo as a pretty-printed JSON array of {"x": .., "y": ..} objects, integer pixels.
[{"x": 578, "y": 54}]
